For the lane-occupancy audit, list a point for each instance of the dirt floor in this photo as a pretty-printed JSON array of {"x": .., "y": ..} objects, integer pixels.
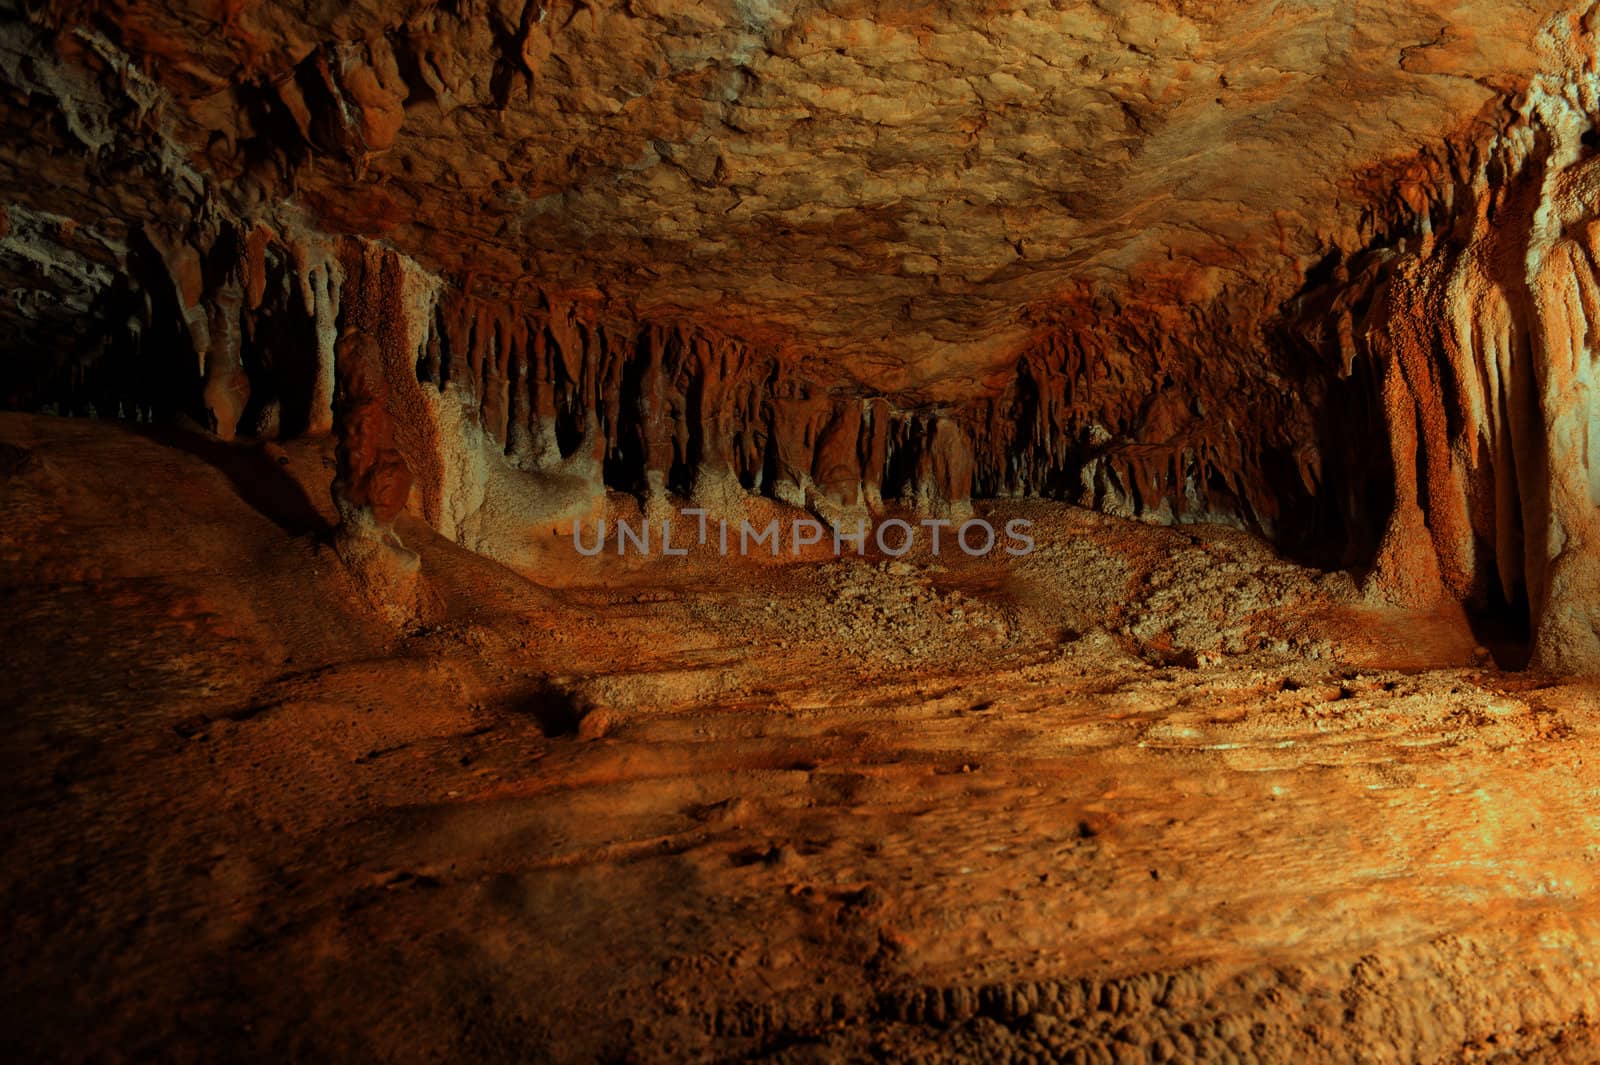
[{"x": 1144, "y": 795}]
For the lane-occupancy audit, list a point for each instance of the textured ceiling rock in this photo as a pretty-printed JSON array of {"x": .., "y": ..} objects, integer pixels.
[
  {"x": 1324, "y": 271},
  {"x": 882, "y": 185}
]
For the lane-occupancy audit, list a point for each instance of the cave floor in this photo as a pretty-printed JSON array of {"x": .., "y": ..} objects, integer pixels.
[{"x": 1146, "y": 794}]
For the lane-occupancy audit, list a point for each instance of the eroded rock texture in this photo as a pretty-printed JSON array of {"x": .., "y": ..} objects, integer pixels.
[
  {"x": 1324, "y": 271},
  {"x": 1482, "y": 334}
]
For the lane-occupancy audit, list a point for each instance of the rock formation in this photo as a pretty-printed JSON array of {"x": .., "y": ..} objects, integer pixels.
[
  {"x": 371, "y": 482},
  {"x": 345, "y": 348},
  {"x": 372, "y": 475},
  {"x": 1323, "y": 275}
]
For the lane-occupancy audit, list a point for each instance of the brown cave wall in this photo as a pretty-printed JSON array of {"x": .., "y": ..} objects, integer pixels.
[
  {"x": 1140, "y": 407},
  {"x": 1472, "y": 325},
  {"x": 1106, "y": 411},
  {"x": 1414, "y": 403},
  {"x": 1169, "y": 404},
  {"x": 1485, "y": 340}
]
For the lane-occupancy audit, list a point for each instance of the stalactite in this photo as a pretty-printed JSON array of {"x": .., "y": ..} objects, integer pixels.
[
  {"x": 1461, "y": 337},
  {"x": 1480, "y": 327},
  {"x": 548, "y": 386},
  {"x": 836, "y": 463},
  {"x": 319, "y": 280},
  {"x": 227, "y": 385}
]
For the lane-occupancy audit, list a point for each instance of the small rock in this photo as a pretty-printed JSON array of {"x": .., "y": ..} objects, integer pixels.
[{"x": 595, "y": 724}]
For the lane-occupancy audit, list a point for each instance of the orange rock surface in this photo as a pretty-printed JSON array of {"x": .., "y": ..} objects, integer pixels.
[
  {"x": 1146, "y": 793},
  {"x": 333, "y": 333}
]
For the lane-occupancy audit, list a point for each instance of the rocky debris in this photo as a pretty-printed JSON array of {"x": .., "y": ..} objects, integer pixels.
[
  {"x": 1223, "y": 596},
  {"x": 896, "y": 613}
]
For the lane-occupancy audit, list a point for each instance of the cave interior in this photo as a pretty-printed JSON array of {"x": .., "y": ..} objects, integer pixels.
[{"x": 383, "y": 384}]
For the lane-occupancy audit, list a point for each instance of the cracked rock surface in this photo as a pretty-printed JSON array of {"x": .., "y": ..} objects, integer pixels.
[{"x": 881, "y": 185}]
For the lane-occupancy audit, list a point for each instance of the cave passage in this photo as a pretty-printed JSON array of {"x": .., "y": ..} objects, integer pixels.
[{"x": 355, "y": 361}]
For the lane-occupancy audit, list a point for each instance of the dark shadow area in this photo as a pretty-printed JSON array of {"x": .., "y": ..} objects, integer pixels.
[
  {"x": 1504, "y": 626},
  {"x": 280, "y": 354},
  {"x": 14, "y": 459},
  {"x": 624, "y": 462},
  {"x": 556, "y": 710},
  {"x": 258, "y": 479}
]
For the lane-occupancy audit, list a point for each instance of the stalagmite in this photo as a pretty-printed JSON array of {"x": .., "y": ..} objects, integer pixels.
[
  {"x": 372, "y": 482},
  {"x": 227, "y": 385},
  {"x": 656, "y": 430},
  {"x": 1496, "y": 326}
]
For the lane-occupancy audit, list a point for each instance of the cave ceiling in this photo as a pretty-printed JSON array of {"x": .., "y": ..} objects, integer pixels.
[{"x": 896, "y": 193}]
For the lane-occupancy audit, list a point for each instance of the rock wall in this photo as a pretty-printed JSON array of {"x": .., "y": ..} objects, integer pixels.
[
  {"x": 1459, "y": 342},
  {"x": 1479, "y": 330},
  {"x": 1411, "y": 401}
]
